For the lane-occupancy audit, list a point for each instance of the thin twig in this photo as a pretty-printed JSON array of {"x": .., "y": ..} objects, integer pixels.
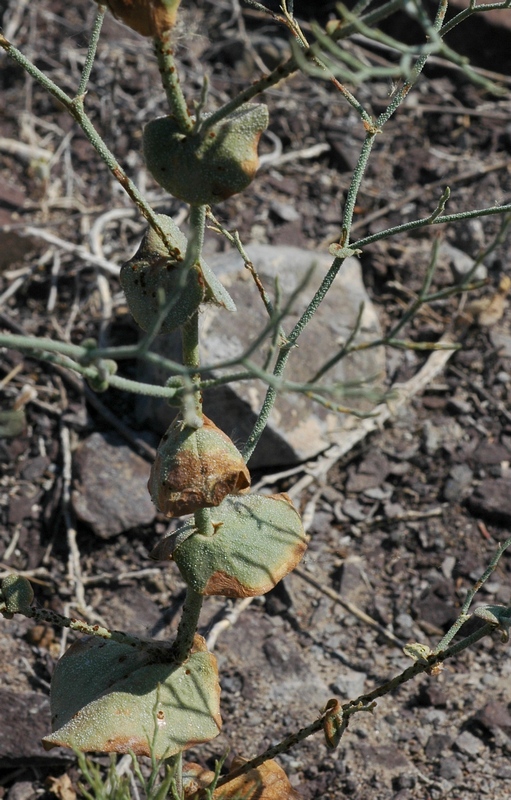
[
  {"x": 350, "y": 607},
  {"x": 231, "y": 616},
  {"x": 74, "y": 570}
]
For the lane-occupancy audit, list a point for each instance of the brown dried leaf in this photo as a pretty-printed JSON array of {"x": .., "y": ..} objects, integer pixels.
[
  {"x": 267, "y": 782},
  {"x": 61, "y": 787},
  {"x": 147, "y": 17},
  {"x": 489, "y": 310}
]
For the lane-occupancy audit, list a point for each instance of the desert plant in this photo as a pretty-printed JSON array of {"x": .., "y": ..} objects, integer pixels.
[{"x": 118, "y": 693}]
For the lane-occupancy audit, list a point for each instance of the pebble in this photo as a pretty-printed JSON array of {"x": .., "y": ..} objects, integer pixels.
[
  {"x": 285, "y": 211},
  {"x": 460, "y": 263},
  {"x": 492, "y": 500},
  {"x": 350, "y": 684},
  {"x": 450, "y": 769},
  {"x": 468, "y": 744},
  {"x": 457, "y": 486},
  {"x": 23, "y": 790}
]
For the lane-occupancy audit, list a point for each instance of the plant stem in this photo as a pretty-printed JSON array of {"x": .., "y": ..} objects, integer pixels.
[
  {"x": 170, "y": 80},
  {"x": 91, "y": 52},
  {"x": 425, "y": 221},
  {"x": 192, "y": 415},
  {"x": 187, "y": 625},
  {"x": 176, "y": 765},
  {"x": 290, "y": 66},
  {"x": 192, "y": 400},
  {"x": 159, "y": 650}
]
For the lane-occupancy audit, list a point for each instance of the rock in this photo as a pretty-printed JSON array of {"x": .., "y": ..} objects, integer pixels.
[
  {"x": 437, "y": 745},
  {"x": 404, "y": 624},
  {"x": 25, "y": 720},
  {"x": 14, "y": 246},
  {"x": 354, "y": 510},
  {"x": 494, "y": 715},
  {"x": 491, "y": 453},
  {"x": 450, "y": 769},
  {"x": 110, "y": 487},
  {"x": 298, "y": 429},
  {"x": 370, "y": 474},
  {"x": 436, "y": 605},
  {"x": 285, "y": 211},
  {"x": 350, "y": 684},
  {"x": 457, "y": 486},
  {"x": 448, "y": 565},
  {"x": 468, "y": 744},
  {"x": 22, "y": 790},
  {"x": 446, "y": 434},
  {"x": 501, "y": 340},
  {"x": 492, "y": 500},
  {"x": 460, "y": 263}
]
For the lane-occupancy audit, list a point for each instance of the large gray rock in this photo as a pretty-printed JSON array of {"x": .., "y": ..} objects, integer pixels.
[
  {"x": 110, "y": 486},
  {"x": 299, "y": 429}
]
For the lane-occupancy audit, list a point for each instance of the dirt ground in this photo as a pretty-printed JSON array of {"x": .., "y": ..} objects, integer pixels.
[{"x": 401, "y": 526}]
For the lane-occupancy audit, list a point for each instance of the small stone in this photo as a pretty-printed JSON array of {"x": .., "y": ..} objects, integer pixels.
[
  {"x": 35, "y": 468},
  {"x": 436, "y": 605},
  {"x": 457, "y": 486},
  {"x": 350, "y": 684},
  {"x": 494, "y": 715},
  {"x": 501, "y": 340},
  {"x": 449, "y": 769},
  {"x": 458, "y": 405},
  {"x": 284, "y": 211},
  {"x": 354, "y": 510},
  {"x": 23, "y": 790},
  {"x": 461, "y": 264},
  {"x": 379, "y": 493},
  {"x": 447, "y": 566},
  {"x": 438, "y": 745},
  {"x": 492, "y": 500},
  {"x": 468, "y": 744},
  {"x": 404, "y": 623},
  {"x": 370, "y": 474},
  {"x": 490, "y": 453},
  {"x": 405, "y": 781}
]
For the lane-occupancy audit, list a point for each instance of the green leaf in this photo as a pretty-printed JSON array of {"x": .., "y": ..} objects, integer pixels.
[
  {"x": 109, "y": 697},
  {"x": 257, "y": 541}
]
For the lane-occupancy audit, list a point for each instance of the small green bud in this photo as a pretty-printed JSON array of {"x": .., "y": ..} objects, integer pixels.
[{"x": 16, "y": 595}]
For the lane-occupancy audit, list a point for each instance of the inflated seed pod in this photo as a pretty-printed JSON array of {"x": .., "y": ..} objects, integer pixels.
[
  {"x": 258, "y": 540},
  {"x": 206, "y": 167},
  {"x": 153, "y": 274},
  {"x": 195, "y": 468},
  {"x": 152, "y": 277},
  {"x": 148, "y": 17}
]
